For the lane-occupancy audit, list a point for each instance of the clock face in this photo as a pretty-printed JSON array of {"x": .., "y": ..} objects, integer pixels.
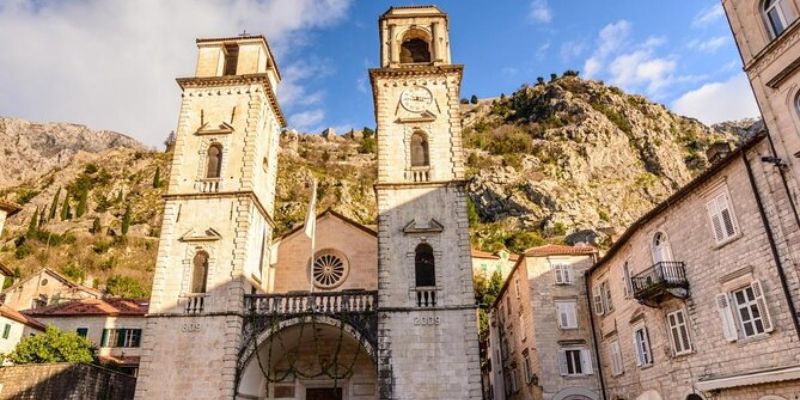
[{"x": 416, "y": 99}]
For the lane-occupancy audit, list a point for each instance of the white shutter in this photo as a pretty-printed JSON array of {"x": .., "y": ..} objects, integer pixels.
[
  {"x": 562, "y": 362},
  {"x": 626, "y": 276},
  {"x": 586, "y": 362},
  {"x": 637, "y": 350},
  {"x": 726, "y": 213},
  {"x": 572, "y": 314},
  {"x": 716, "y": 220},
  {"x": 559, "y": 278},
  {"x": 762, "y": 306},
  {"x": 563, "y": 318},
  {"x": 726, "y": 317},
  {"x": 597, "y": 296},
  {"x": 616, "y": 358},
  {"x": 567, "y": 273}
]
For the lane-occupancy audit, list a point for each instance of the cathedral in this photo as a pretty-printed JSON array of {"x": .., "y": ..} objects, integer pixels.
[{"x": 382, "y": 312}]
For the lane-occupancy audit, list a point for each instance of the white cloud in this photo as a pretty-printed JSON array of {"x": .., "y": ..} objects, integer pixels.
[
  {"x": 572, "y": 49},
  {"x": 610, "y": 39},
  {"x": 112, "y": 65},
  {"x": 709, "y": 45},
  {"x": 719, "y": 101},
  {"x": 540, "y": 12},
  {"x": 292, "y": 91},
  {"x": 307, "y": 121},
  {"x": 708, "y": 15}
]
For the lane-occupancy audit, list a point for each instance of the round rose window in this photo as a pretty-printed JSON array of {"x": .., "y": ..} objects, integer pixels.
[{"x": 329, "y": 270}]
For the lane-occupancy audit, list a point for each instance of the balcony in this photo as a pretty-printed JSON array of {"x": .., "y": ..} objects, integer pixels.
[
  {"x": 419, "y": 174},
  {"x": 351, "y": 301},
  {"x": 664, "y": 280},
  {"x": 194, "y": 303},
  {"x": 426, "y": 296},
  {"x": 208, "y": 185}
]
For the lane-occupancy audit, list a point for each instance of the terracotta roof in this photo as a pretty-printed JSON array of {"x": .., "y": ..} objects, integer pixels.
[
  {"x": 559, "y": 250},
  {"x": 74, "y": 308},
  {"x": 475, "y": 253},
  {"x": 10, "y": 207},
  {"x": 677, "y": 196},
  {"x": 11, "y": 313}
]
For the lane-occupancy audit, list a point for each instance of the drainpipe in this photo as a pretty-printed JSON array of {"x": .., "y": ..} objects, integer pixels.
[
  {"x": 782, "y": 173},
  {"x": 594, "y": 333},
  {"x": 772, "y": 245}
]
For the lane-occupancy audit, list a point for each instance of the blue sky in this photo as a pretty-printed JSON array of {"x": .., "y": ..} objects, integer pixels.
[{"x": 111, "y": 65}]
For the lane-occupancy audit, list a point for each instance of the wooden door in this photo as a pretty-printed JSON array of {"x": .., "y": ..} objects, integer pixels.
[{"x": 324, "y": 394}]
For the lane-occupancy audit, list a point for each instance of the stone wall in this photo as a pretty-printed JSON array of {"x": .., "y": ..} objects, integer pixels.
[{"x": 64, "y": 381}]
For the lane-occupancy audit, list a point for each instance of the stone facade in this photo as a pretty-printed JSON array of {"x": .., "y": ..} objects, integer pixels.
[
  {"x": 44, "y": 288},
  {"x": 698, "y": 296},
  {"x": 217, "y": 222},
  {"x": 64, "y": 381},
  {"x": 539, "y": 320}
]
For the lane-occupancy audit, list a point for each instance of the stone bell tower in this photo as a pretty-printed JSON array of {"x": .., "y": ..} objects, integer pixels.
[
  {"x": 428, "y": 336},
  {"x": 217, "y": 221}
]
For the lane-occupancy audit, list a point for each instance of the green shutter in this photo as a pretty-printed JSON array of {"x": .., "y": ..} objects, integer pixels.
[
  {"x": 104, "y": 340},
  {"x": 6, "y": 331},
  {"x": 121, "y": 333}
]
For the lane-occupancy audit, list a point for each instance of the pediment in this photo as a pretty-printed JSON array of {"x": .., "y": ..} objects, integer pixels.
[
  {"x": 433, "y": 226},
  {"x": 221, "y": 129},
  {"x": 208, "y": 235}
]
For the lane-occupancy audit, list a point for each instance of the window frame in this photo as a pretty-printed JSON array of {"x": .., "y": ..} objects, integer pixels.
[
  {"x": 82, "y": 332},
  {"x": 713, "y": 210},
  {"x": 584, "y": 361},
  {"x": 526, "y": 366},
  {"x": 615, "y": 354},
  {"x": 759, "y": 303},
  {"x": 626, "y": 278},
  {"x": 682, "y": 329},
  {"x": 779, "y": 7},
  {"x": 6, "y": 331},
  {"x": 563, "y": 275},
  {"x": 573, "y": 308},
  {"x": 642, "y": 346}
]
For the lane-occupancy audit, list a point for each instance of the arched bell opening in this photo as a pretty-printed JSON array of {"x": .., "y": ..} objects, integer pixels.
[
  {"x": 306, "y": 357},
  {"x": 415, "y": 47}
]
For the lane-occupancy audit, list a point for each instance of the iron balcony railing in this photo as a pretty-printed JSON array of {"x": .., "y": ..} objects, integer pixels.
[
  {"x": 656, "y": 279},
  {"x": 305, "y": 302}
]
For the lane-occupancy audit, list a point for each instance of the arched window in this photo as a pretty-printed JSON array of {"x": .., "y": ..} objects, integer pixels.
[
  {"x": 661, "y": 251},
  {"x": 214, "y": 166},
  {"x": 419, "y": 150},
  {"x": 778, "y": 15},
  {"x": 694, "y": 396},
  {"x": 424, "y": 266},
  {"x": 415, "y": 47},
  {"x": 199, "y": 272}
]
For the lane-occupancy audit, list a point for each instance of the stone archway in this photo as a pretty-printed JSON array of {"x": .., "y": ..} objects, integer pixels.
[
  {"x": 304, "y": 357},
  {"x": 575, "y": 393},
  {"x": 649, "y": 395}
]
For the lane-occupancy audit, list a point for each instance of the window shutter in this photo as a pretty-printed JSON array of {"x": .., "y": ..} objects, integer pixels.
[
  {"x": 586, "y": 362},
  {"x": 726, "y": 316},
  {"x": 573, "y": 315},
  {"x": 563, "y": 320},
  {"x": 559, "y": 278},
  {"x": 566, "y": 272},
  {"x": 626, "y": 276},
  {"x": 727, "y": 214},
  {"x": 598, "y": 301},
  {"x": 762, "y": 306},
  {"x": 637, "y": 350},
  {"x": 716, "y": 221},
  {"x": 562, "y": 362},
  {"x": 104, "y": 339}
]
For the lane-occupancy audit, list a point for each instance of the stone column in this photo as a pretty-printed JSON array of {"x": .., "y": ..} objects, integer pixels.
[
  {"x": 393, "y": 48},
  {"x": 435, "y": 48}
]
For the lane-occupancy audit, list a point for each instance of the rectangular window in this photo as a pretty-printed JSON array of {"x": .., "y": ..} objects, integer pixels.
[
  {"x": 567, "y": 314},
  {"x": 563, "y": 275},
  {"x": 527, "y": 367},
  {"x": 231, "y": 59},
  {"x": 516, "y": 286},
  {"x": 723, "y": 220},
  {"x": 522, "y": 326},
  {"x": 6, "y": 331},
  {"x": 751, "y": 310},
  {"x": 597, "y": 300},
  {"x": 606, "y": 291},
  {"x": 82, "y": 332},
  {"x": 626, "y": 277},
  {"x": 616, "y": 358},
  {"x": 121, "y": 338},
  {"x": 641, "y": 343},
  {"x": 514, "y": 381},
  {"x": 679, "y": 332},
  {"x": 575, "y": 361}
]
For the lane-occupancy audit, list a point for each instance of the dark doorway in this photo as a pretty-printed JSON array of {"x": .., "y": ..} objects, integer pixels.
[{"x": 324, "y": 394}]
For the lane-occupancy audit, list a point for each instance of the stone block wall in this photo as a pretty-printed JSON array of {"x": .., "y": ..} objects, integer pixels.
[{"x": 64, "y": 381}]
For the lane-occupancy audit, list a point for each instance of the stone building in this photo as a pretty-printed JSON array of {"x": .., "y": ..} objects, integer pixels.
[
  {"x": 45, "y": 288},
  {"x": 369, "y": 314},
  {"x": 540, "y": 336},
  {"x": 114, "y": 326},
  {"x": 698, "y": 298}
]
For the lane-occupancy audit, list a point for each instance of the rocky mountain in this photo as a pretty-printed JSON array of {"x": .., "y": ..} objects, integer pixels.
[
  {"x": 565, "y": 160},
  {"x": 30, "y": 148}
]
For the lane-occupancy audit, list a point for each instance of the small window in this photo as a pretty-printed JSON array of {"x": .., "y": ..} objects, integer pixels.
[
  {"x": 514, "y": 381},
  {"x": 778, "y": 15},
  {"x": 516, "y": 286},
  {"x": 597, "y": 300},
  {"x": 563, "y": 274},
  {"x": 607, "y": 303},
  {"x": 526, "y": 364},
  {"x": 6, "y": 331},
  {"x": 231, "y": 59},
  {"x": 723, "y": 220},
  {"x": 641, "y": 343},
  {"x": 419, "y": 150},
  {"x": 121, "y": 338},
  {"x": 82, "y": 332},
  {"x": 424, "y": 266},
  {"x": 214, "y": 162},
  {"x": 679, "y": 332},
  {"x": 751, "y": 310},
  {"x": 617, "y": 367},
  {"x": 567, "y": 314},
  {"x": 575, "y": 361},
  {"x": 200, "y": 272},
  {"x": 522, "y": 326}
]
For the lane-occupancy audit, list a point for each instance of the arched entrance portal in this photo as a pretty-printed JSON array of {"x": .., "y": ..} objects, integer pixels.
[{"x": 311, "y": 359}]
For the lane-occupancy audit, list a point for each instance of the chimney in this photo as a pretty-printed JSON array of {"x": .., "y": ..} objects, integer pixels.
[{"x": 717, "y": 151}]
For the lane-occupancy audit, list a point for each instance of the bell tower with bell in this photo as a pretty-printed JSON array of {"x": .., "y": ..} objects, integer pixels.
[{"x": 428, "y": 337}]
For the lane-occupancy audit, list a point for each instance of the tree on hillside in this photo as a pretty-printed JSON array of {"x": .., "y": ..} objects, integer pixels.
[
  {"x": 53, "y": 346},
  {"x": 119, "y": 197},
  {"x": 83, "y": 198},
  {"x": 96, "y": 227},
  {"x": 367, "y": 132},
  {"x": 540, "y": 81},
  {"x": 54, "y": 205},
  {"x": 486, "y": 292},
  {"x": 65, "y": 207},
  {"x": 126, "y": 220},
  {"x": 473, "y": 99},
  {"x": 157, "y": 178},
  {"x": 33, "y": 225},
  {"x": 125, "y": 286}
]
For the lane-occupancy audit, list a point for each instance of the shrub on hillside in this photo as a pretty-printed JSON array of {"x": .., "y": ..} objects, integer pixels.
[
  {"x": 53, "y": 346},
  {"x": 125, "y": 286}
]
